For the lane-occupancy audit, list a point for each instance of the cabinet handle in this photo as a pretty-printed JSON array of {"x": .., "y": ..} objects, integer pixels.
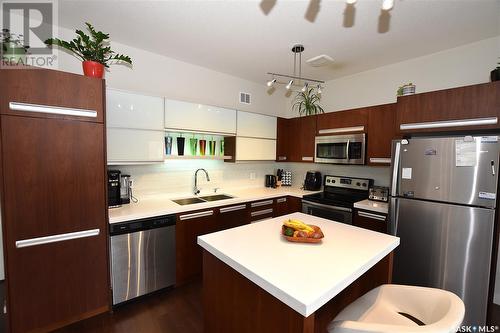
[
  {"x": 261, "y": 212},
  {"x": 380, "y": 160},
  {"x": 232, "y": 208},
  {"x": 342, "y": 130},
  {"x": 450, "y": 123},
  {"x": 280, "y": 200},
  {"x": 307, "y": 158},
  {"x": 261, "y": 203},
  {"x": 281, "y": 158},
  {"x": 196, "y": 215},
  {"x": 15, "y": 106},
  {"x": 372, "y": 216},
  {"x": 57, "y": 238}
]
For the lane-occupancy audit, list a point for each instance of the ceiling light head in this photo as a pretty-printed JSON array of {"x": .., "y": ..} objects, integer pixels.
[
  {"x": 319, "y": 89},
  {"x": 387, "y": 4},
  {"x": 350, "y": 2},
  {"x": 289, "y": 85},
  {"x": 304, "y": 88},
  {"x": 271, "y": 83}
]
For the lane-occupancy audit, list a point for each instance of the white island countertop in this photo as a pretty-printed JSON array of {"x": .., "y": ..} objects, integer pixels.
[
  {"x": 158, "y": 204},
  {"x": 303, "y": 276}
]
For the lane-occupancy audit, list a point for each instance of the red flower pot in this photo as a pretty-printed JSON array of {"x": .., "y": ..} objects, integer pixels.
[{"x": 93, "y": 69}]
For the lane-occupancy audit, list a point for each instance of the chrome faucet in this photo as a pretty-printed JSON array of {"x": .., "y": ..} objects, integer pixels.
[{"x": 196, "y": 189}]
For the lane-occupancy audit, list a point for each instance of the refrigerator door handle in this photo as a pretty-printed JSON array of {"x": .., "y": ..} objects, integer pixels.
[
  {"x": 395, "y": 169},
  {"x": 493, "y": 168},
  {"x": 393, "y": 216}
]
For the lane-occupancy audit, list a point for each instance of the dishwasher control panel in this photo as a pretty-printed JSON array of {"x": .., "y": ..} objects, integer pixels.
[{"x": 143, "y": 224}]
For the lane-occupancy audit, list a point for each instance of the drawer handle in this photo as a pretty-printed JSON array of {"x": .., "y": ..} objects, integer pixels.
[
  {"x": 261, "y": 212},
  {"x": 56, "y": 238},
  {"x": 196, "y": 215},
  {"x": 307, "y": 158},
  {"x": 282, "y": 158},
  {"x": 383, "y": 160},
  {"x": 342, "y": 130},
  {"x": 15, "y": 106},
  {"x": 372, "y": 216},
  {"x": 450, "y": 123},
  {"x": 280, "y": 200},
  {"x": 261, "y": 203},
  {"x": 232, "y": 208}
]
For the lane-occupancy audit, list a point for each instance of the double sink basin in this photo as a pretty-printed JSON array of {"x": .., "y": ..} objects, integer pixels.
[{"x": 207, "y": 198}]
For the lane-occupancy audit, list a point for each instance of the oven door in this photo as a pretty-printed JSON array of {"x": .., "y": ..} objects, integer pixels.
[
  {"x": 334, "y": 213},
  {"x": 340, "y": 149}
]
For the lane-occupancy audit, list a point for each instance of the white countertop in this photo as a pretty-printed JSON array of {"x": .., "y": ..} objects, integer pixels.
[
  {"x": 376, "y": 206},
  {"x": 303, "y": 276},
  {"x": 162, "y": 204}
]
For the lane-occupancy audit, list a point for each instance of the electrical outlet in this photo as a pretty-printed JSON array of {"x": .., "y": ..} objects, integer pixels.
[{"x": 252, "y": 175}]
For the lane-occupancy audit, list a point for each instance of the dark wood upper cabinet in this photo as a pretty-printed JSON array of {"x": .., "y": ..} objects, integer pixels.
[
  {"x": 295, "y": 142},
  {"x": 282, "y": 139},
  {"x": 342, "y": 119},
  {"x": 469, "y": 102},
  {"x": 48, "y": 88},
  {"x": 53, "y": 183},
  {"x": 380, "y": 133}
]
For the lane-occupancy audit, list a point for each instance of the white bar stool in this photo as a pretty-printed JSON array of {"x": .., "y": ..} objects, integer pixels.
[{"x": 401, "y": 309}]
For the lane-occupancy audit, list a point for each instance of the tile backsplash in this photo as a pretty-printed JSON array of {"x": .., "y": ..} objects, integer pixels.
[{"x": 177, "y": 176}]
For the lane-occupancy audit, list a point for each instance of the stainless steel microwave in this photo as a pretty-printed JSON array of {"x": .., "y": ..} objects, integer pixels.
[{"x": 340, "y": 149}]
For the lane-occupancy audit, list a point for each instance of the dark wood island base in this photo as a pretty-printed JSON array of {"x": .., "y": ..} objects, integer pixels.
[{"x": 232, "y": 303}]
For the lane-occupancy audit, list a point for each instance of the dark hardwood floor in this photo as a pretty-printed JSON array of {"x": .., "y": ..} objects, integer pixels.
[{"x": 170, "y": 311}]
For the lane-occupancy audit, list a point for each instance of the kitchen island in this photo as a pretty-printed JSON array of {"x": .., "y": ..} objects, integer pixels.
[{"x": 256, "y": 281}]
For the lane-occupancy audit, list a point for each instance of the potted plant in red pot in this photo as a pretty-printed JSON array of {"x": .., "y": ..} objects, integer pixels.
[{"x": 93, "y": 50}]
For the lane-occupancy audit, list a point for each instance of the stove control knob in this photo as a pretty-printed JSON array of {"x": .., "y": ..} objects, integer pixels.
[
  {"x": 358, "y": 184},
  {"x": 364, "y": 184},
  {"x": 333, "y": 181}
]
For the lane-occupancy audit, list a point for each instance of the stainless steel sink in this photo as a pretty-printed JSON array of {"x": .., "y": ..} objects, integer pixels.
[
  {"x": 188, "y": 201},
  {"x": 207, "y": 198},
  {"x": 216, "y": 197}
]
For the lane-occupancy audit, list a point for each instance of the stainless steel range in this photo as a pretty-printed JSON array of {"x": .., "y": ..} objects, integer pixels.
[{"x": 337, "y": 200}]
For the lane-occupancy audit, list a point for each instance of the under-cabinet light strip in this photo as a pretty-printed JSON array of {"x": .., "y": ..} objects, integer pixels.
[
  {"x": 342, "y": 130},
  {"x": 450, "y": 123}
]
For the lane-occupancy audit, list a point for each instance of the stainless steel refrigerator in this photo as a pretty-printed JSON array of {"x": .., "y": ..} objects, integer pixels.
[{"x": 443, "y": 200}]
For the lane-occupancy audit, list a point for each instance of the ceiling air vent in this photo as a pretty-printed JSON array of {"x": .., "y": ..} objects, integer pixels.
[{"x": 244, "y": 98}]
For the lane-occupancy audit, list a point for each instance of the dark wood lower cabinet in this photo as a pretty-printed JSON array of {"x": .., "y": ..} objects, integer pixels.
[
  {"x": 370, "y": 220},
  {"x": 287, "y": 205},
  {"x": 232, "y": 216},
  {"x": 188, "y": 254}
]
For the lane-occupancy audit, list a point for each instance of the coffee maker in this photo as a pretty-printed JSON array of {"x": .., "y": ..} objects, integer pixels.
[{"x": 114, "y": 192}]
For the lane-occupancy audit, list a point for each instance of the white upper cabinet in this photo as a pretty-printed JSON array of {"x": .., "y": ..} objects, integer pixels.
[
  {"x": 199, "y": 118},
  {"x": 256, "y": 125},
  {"x": 255, "y": 149},
  {"x": 129, "y": 110},
  {"x": 134, "y": 146}
]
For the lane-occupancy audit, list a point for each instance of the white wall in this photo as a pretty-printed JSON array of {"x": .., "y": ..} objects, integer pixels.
[
  {"x": 158, "y": 75},
  {"x": 461, "y": 66}
]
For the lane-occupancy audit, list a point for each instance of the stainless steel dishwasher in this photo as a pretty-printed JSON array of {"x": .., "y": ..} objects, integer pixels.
[{"x": 142, "y": 257}]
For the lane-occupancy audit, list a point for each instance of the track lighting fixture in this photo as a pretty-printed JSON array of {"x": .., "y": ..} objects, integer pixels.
[
  {"x": 271, "y": 83},
  {"x": 387, "y": 4},
  {"x": 297, "y": 50},
  {"x": 319, "y": 89},
  {"x": 350, "y": 2}
]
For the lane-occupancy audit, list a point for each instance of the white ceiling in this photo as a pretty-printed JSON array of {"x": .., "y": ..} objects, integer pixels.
[{"x": 239, "y": 38}]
